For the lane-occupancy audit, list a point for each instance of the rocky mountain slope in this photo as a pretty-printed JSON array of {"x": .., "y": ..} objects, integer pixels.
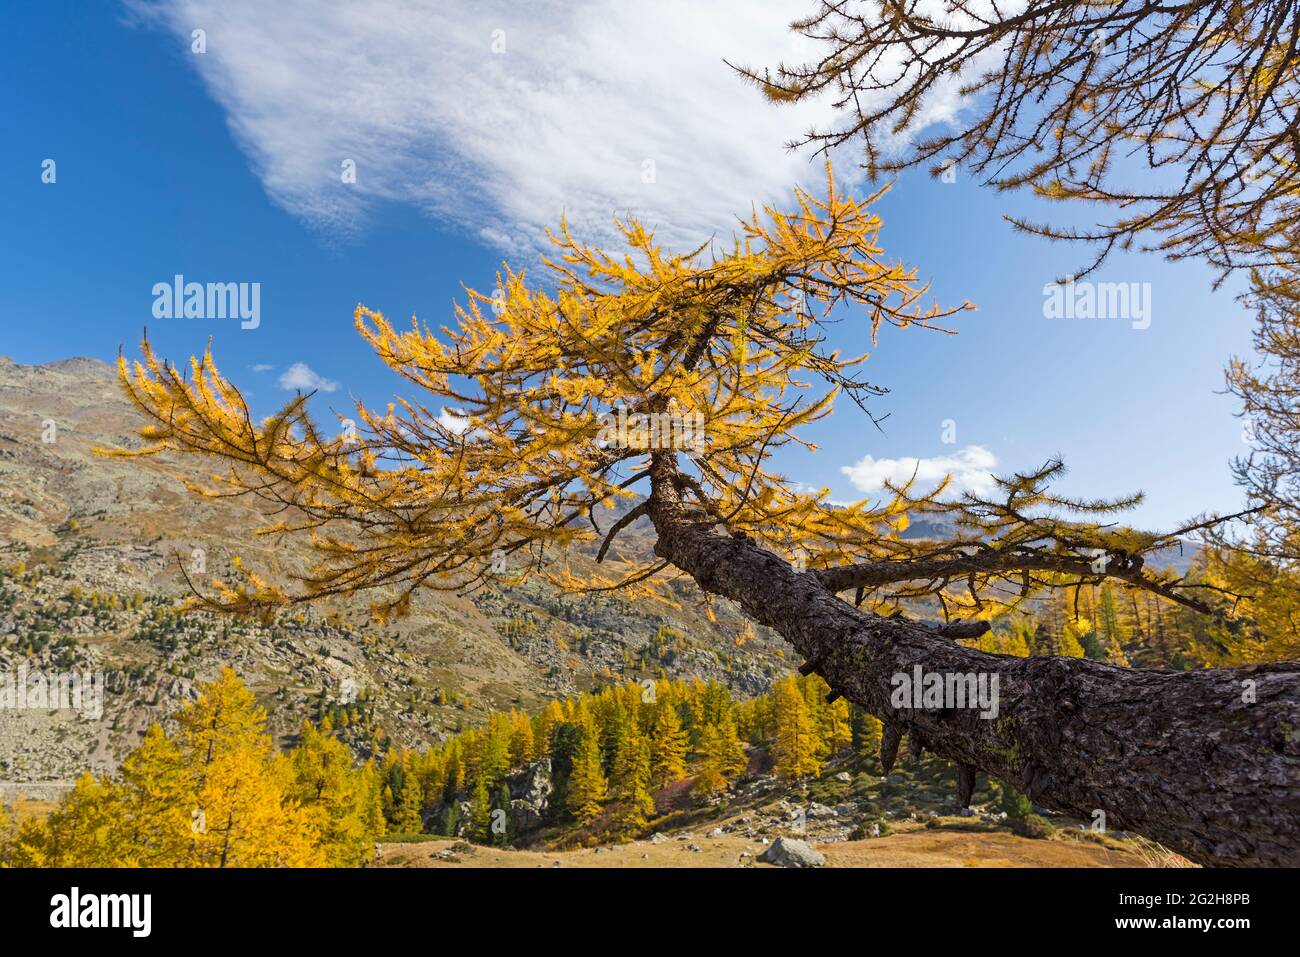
[{"x": 90, "y": 558}]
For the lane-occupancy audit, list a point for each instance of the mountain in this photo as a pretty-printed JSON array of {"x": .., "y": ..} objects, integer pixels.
[{"x": 90, "y": 578}]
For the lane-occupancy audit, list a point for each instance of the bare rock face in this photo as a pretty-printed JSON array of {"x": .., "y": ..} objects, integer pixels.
[
  {"x": 530, "y": 792},
  {"x": 791, "y": 852}
]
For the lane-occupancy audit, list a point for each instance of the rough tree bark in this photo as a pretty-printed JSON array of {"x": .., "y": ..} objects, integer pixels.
[{"x": 1180, "y": 757}]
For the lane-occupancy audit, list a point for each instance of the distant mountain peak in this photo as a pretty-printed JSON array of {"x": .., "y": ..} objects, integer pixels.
[
  {"x": 79, "y": 364},
  {"x": 73, "y": 365}
]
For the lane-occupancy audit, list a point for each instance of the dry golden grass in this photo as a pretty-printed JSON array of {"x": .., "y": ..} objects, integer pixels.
[{"x": 921, "y": 848}]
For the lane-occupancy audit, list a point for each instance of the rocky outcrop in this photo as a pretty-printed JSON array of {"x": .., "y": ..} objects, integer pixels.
[{"x": 530, "y": 796}]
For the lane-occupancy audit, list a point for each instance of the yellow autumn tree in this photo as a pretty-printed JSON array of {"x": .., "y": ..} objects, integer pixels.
[
  {"x": 539, "y": 405},
  {"x": 722, "y": 756},
  {"x": 668, "y": 745},
  {"x": 522, "y": 746},
  {"x": 630, "y": 783},
  {"x": 340, "y": 803},
  {"x": 551, "y": 715},
  {"x": 794, "y": 750},
  {"x": 159, "y": 801},
  {"x": 215, "y": 795},
  {"x": 709, "y": 778},
  {"x": 242, "y": 815},
  {"x": 87, "y": 829},
  {"x": 587, "y": 787},
  {"x": 559, "y": 400}
]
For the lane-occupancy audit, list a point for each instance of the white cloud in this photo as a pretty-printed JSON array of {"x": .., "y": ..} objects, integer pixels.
[
  {"x": 262, "y": 367},
  {"x": 453, "y": 421},
  {"x": 971, "y": 469},
  {"x": 500, "y": 144},
  {"x": 300, "y": 376}
]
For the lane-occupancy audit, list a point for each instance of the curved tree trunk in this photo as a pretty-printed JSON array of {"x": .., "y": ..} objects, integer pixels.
[{"x": 1205, "y": 762}]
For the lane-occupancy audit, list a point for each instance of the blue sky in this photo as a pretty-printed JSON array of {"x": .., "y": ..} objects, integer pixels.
[{"x": 471, "y": 126}]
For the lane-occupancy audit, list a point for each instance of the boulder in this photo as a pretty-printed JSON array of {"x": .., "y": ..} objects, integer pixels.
[{"x": 791, "y": 852}]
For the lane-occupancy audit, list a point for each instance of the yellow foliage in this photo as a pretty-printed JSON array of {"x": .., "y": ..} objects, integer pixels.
[
  {"x": 524, "y": 428},
  {"x": 215, "y": 795}
]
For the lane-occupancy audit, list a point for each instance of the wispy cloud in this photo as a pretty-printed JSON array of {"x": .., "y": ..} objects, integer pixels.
[
  {"x": 300, "y": 376},
  {"x": 263, "y": 367},
  {"x": 498, "y": 116},
  {"x": 971, "y": 469}
]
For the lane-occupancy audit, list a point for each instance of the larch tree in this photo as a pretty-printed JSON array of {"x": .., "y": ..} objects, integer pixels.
[
  {"x": 243, "y": 816},
  {"x": 663, "y": 383},
  {"x": 1179, "y": 119},
  {"x": 522, "y": 746},
  {"x": 339, "y": 801},
  {"x": 551, "y": 715},
  {"x": 1269, "y": 392},
  {"x": 732, "y": 759},
  {"x": 587, "y": 788},
  {"x": 795, "y": 747},
  {"x": 709, "y": 778},
  {"x": 630, "y": 783},
  {"x": 159, "y": 801},
  {"x": 85, "y": 830},
  {"x": 1178, "y": 122},
  {"x": 668, "y": 745},
  {"x": 1261, "y": 560},
  {"x": 215, "y": 795}
]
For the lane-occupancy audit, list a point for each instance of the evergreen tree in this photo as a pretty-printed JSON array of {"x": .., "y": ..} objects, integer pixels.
[
  {"x": 1014, "y": 803},
  {"x": 451, "y": 819},
  {"x": 616, "y": 734},
  {"x": 866, "y": 731},
  {"x": 501, "y": 823}
]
